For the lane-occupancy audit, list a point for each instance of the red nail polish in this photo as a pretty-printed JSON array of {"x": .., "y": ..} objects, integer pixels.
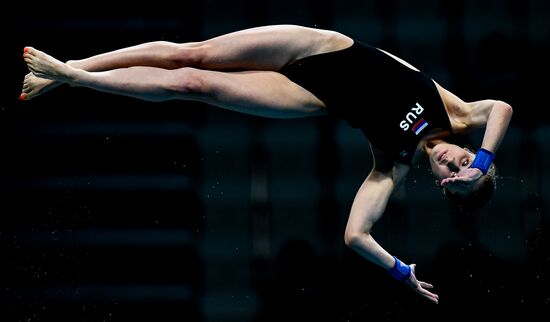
[
  {"x": 26, "y": 49},
  {"x": 22, "y": 97}
]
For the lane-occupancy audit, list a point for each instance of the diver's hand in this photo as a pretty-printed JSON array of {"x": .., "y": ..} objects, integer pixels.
[
  {"x": 421, "y": 287},
  {"x": 463, "y": 181}
]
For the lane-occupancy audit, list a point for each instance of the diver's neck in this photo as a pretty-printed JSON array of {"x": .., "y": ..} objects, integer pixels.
[
  {"x": 431, "y": 140},
  {"x": 429, "y": 145}
]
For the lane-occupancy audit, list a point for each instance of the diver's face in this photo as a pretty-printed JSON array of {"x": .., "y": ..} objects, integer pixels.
[{"x": 449, "y": 160}]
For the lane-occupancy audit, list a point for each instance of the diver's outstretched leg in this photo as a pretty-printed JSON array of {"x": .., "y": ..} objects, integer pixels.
[
  {"x": 261, "y": 92},
  {"x": 260, "y": 48}
]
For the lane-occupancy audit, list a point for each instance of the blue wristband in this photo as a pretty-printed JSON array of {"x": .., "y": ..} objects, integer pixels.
[
  {"x": 400, "y": 271},
  {"x": 483, "y": 160}
]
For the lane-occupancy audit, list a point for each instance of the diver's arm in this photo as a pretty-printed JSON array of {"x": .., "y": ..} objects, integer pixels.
[{"x": 495, "y": 116}]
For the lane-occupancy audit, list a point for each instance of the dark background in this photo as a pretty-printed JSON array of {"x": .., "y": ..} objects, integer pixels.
[{"x": 114, "y": 209}]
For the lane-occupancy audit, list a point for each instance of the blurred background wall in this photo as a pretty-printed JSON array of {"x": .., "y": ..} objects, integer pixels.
[{"x": 114, "y": 209}]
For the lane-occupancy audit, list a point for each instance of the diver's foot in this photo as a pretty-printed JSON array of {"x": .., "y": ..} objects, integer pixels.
[
  {"x": 45, "y": 66},
  {"x": 34, "y": 86}
]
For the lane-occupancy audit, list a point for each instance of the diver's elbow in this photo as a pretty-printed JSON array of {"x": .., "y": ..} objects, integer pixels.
[
  {"x": 506, "y": 108},
  {"x": 354, "y": 239}
]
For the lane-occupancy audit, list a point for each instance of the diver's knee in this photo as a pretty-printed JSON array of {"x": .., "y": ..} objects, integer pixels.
[
  {"x": 188, "y": 54},
  {"x": 186, "y": 82}
]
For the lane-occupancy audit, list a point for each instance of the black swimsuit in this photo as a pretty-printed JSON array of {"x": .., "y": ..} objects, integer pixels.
[{"x": 392, "y": 104}]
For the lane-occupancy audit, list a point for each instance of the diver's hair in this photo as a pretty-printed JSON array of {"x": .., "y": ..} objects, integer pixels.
[{"x": 478, "y": 198}]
